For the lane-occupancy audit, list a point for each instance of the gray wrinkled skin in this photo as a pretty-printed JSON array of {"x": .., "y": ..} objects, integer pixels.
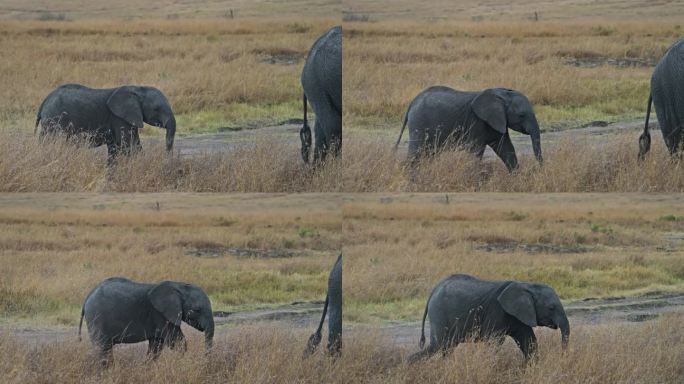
[
  {"x": 463, "y": 307},
  {"x": 121, "y": 311},
  {"x": 333, "y": 303},
  {"x": 441, "y": 116},
  {"x": 109, "y": 117},
  {"x": 667, "y": 95},
  {"x": 322, "y": 83}
]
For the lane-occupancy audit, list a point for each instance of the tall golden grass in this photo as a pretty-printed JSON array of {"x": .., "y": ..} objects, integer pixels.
[
  {"x": 267, "y": 165},
  {"x": 371, "y": 165},
  {"x": 367, "y": 165},
  {"x": 631, "y": 353},
  {"x": 506, "y": 11}
]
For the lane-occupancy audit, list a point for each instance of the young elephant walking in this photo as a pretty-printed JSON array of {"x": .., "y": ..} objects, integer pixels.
[
  {"x": 333, "y": 300},
  {"x": 121, "y": 311},
  {"x": 441, "y": 116},
  {"x": 464, "y": 307},
  {"x": 109, "y": 117}
]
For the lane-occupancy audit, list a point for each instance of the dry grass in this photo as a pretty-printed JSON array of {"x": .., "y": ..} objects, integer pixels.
[
  {"x": 165, "y": 9},
  {"x": 397, "y": 247},
  {"x": 55, "y": 247},
  {"x": 573, "y": 71},
  {"x": 503, "y": 10},
  {"x": 644, "y": 353},
  {"x": 216, "y": 73},
  {"x": 371, "y": 165},
  {"x": 266, "y": 165}
]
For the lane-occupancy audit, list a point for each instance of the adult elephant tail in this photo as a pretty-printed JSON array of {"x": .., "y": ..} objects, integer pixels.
[
  {"x": 305, "y": 134},
  {"x": 402, "y": 130},
  {"x": 645, "y": 138},
  {"x": 316, "y": 337},
  {"x": 80, "y": 323}
]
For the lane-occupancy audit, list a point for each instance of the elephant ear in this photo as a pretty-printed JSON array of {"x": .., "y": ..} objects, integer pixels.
[
  {"x": 125, "y": 104},
  {"x": 490, "y": 108},
  {"x": 518, "y": 302},
  {"x": 167, "y": 300}
]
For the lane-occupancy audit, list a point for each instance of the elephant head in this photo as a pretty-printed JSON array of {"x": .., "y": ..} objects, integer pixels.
[
  {"x": 136, "y": 105},
  {"x": 184, "y": 302},
  {"x": 535, "y": 304},
  {"x": 506, "y": 108}
]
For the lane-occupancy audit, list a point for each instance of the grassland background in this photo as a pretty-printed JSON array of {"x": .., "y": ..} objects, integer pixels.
[
  {"x": 397, "y": 247},
  {"x": 165, "y": 9},
  {"x": 573, "y": 71},
  {"x": 216, "y": 73},
  {"x": 56, "y": 247}
]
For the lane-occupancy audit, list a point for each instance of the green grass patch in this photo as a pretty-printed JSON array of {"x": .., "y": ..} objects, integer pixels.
[{"x": 238, "y": 116}]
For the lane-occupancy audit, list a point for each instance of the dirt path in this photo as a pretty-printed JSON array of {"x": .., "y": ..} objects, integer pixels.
[
  {"x": 228, "y": 139},
  {"x": 585, "y": 312}
]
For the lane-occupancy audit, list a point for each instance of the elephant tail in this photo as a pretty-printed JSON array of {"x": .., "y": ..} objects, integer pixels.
[
  {"x": 648, "y": 111},
  {"x": 422, "y": 327},
  {"x": 402, "y": 130},
  {"x": 316, "y": 337},
  {"x": 645, "y": 138},
  {"x": 80, "y": 323},
  {"x": 305, "y": 134}
]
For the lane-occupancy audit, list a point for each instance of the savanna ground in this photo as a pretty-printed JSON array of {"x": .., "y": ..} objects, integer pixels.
[
  {"x": 581, "y": 64},
  {"x": 233, "y": 82}
]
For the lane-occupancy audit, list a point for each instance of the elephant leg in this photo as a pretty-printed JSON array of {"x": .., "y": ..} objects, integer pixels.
[
  {"x": 504, "y": 149},
  {"x": 106, "y": 355},
  {"x": 154, "y": 347},
  {"x": 135, "y": 141},
  {"x": 424, "y": 354},
  {"x": 112, "y": 152},
  {"x": 320, "y": 143},
  {"x": 526, "y": 340},
  {"x": 328, "y": 131}
]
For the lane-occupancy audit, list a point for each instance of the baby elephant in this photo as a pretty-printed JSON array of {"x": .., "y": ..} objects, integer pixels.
[
  {"x": 464, "y": 307},
  {"x": 120, "y": 311}
]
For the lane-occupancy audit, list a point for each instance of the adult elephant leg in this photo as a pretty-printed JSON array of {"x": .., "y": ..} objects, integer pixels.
[
  {"x": 335, "y": 308},
  {"x": 320, "y": 143},
  {"x": 328, "y": 130},
  {"x": 506, "y": 152},
  {"x": 526, "y": 340}
]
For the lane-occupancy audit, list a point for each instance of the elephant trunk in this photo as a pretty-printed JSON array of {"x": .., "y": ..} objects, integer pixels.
[
  {"x": 170, "y": 133},
  {"x": 534, "y": 133},
  {"x": 564, "y": 326},
  {"x": 209, "y": 334}
]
